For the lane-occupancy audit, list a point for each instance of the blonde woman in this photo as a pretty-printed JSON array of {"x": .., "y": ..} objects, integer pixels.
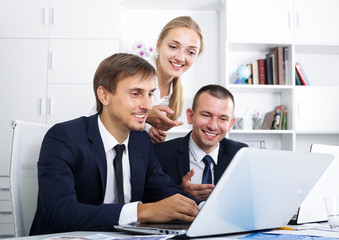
[{"x": 179, "y": 44}]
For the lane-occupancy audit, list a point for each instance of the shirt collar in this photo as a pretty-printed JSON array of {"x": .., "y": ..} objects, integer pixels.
[
  {"x": 108, "y": 140},
  {"x": 157, "y": 100},
  {"x": 199, "y": 154}
]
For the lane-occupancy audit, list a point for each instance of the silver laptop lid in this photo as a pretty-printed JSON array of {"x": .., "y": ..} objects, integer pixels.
[
  {"x": 313, "y": 207},
  {"x": 260, "y": 189}
]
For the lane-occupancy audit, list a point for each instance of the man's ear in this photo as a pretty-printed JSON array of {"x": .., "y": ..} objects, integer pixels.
[
  {"x": 189, "y": 115},
  {"x": 102, "y": 95},
  {"x": 231, "y": 124}
]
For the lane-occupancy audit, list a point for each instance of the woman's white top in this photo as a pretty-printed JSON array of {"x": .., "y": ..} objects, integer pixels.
[{"x": 156, "y": 99}]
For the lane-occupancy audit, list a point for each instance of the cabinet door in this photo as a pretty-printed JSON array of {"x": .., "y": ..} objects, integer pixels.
[
  {"x": 316, "y": 109},
  {"x": 23, "y": 73},
  {"x": 259, "y": 21},
  {"x": 21, "y": 18},
  {"x": 69, "y": 101},
  {"x": 316, "y": 21},
  {"x": 75, "y": 61},
  {"x": 84, "y": 19}
]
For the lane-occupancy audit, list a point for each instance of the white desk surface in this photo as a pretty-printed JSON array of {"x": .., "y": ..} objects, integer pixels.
[{"x": 112, "y": 234}]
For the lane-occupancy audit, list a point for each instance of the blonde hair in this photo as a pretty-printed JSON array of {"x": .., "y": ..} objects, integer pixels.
[{"x": 177, "y": 98}]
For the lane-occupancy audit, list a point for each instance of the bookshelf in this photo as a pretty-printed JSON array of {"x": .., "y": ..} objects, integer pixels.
[{"x": 311, "y": 114}]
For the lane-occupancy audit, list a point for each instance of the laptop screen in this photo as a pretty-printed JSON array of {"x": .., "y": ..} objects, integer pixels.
[
  {"x": 313, "y": 208},
  {"x": 260, "y": 189}
]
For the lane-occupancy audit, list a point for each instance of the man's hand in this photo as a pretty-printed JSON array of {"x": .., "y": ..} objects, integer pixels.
[
  {"x": 199, "y": 191},
  {"x": 156, "y": 135},
  {"x": 176, "y": 207},
  {"x": 159, "y": 120}
]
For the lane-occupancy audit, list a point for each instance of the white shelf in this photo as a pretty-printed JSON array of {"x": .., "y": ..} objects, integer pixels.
[
  {"x": 172, "y": 5},
  {"x": 260, "y": 88},
  {"x": 253, "y": 132}
]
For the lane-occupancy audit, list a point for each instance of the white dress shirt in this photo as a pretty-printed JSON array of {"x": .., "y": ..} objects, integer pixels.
[
  {"x": 128, "y": 212},
  {"x": 196, "y": 156}
]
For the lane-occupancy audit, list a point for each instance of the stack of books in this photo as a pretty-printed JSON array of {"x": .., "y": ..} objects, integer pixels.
[
  {"x": 272, "y": 70},
  {"x": 276, "y": 119},
  {"x": 300, "y": 76}
]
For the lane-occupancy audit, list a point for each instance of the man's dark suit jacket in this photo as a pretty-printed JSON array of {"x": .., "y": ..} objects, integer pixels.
[
  {"x": 173, "y": 156},
  {"x": 72, "y": 172}
]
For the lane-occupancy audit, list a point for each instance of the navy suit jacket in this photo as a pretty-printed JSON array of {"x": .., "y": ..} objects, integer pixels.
[
  {"x": 72, "y": 171},
  {"x": 173, "y": 156}
]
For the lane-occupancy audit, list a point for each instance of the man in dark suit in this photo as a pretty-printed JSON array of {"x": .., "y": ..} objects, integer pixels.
[
  {"x": 197, "y": 161},
  {"x": 81, "y": 187}
]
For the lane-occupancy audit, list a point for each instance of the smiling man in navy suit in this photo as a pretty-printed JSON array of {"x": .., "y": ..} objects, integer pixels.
[
  {"x": 197, "y": 161},
  {"x": 80, "y": 186}
]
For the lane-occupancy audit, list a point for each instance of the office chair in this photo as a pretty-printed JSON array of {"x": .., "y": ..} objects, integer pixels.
[{"x": 27, "y": 139}]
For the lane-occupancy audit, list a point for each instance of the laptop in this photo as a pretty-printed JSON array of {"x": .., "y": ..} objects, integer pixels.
[
  {"x": 313, "y": 208},
  {"x": 261, "y": 189}
]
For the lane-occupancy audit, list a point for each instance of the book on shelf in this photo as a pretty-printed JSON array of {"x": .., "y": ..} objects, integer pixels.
[
  {"x": 261, "y": 71},
  {"x": 285, "y": 65},
  {"x": 301, "y": 74},
  {"x": 279, "y": 111},
  {"x": 284, "y": 120},
  {"x": 279, "y": 65},
  {"x": 276, "y": 120},
  {"x": 269, "y": 69},
  {"x": 268, "y": 120},
  {"x": 255, "y": 75},
  {"x": 250, "y": 79},
  {"x": 273, "y": 52},
  {"x": 297, "y": 79}
]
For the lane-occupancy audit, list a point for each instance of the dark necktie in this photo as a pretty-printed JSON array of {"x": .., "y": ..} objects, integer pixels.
[
  {"x": 119, "y": 179},
  {"x": 207, "y": 175}
]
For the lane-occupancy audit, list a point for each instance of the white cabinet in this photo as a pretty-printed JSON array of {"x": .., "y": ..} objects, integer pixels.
[
  {"x": 84, "y": 18},
  {"x": 59, "y": 18},
  {"x": 316, "y": 21},
  {"x": 76, "y": 60},
  {"x": 69, "y": 101},
  {"x": 259, "y": 20},
  {"x": 316, "y": 109},
  {"x": 71, "y": 67},
  {"x": 27, "y": 19},
  {"x": 50, "y": 50},
  {"x": 23, "y": 91},
  {"x": 6, "y": 217}
]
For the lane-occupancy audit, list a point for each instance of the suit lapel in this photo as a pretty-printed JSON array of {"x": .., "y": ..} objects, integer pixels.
[
  {"x": 222, "y": 162},
  {"x": 97, "y": 148},
  {"x": 137, "y": 167},
  {"x": 182, "y": 156}
]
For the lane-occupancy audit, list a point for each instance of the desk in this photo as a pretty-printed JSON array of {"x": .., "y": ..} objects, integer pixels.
[
  {"x": 126, "y": 235},
  {"x": 112, "y": 234}
]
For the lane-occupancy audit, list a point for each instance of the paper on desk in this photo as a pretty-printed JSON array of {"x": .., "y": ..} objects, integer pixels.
[
  {"x": 106, "y": 237},
  {"x": 319, "y": 232},
  {"x": 266, "y": 236}
]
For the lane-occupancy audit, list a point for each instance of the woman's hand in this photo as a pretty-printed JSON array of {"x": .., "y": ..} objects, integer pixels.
[
  {"x": 159, "y": 120},
  {"x": 156, "y": 135}
]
